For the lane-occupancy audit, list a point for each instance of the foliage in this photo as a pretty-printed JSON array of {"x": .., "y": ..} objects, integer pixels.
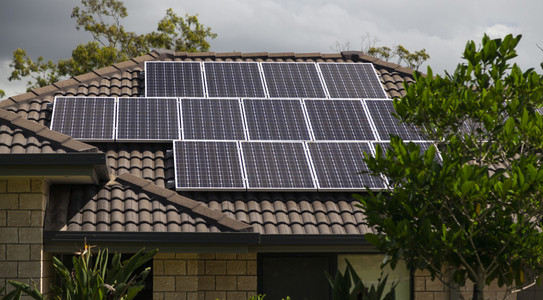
[
  {"x": 404, "y": 57},
  {"x": 349, "y": 286},
  {"x": 261, "y": 297},
  {"x": 476, "y": 214},
  {"x": 111, "y": 43},
  {"x": 398, "y": 53},
  {"x": 94, "y": 277}
]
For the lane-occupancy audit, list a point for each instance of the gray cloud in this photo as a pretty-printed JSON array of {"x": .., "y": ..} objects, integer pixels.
[{"x": 441, "y": 27}]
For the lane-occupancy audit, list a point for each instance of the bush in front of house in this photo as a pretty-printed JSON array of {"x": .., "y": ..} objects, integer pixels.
[{"x": 92, "y": 277}]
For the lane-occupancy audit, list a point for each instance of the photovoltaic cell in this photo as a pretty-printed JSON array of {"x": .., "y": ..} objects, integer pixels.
[
  {"x": 386, "y": 124},
  {"x": 233, "y": 79},
  {"x": 338, "y": 165},
  {"x": 208, "y": 165},
  {"x": 275, "y": 119},
  {"x": 173, "y": 79},
  {"x": 351, "y": 80},
  {"x": 148, "y": 119},
  {"x": 293, "y": 80},
  {"x": 338, "y": 120},
  {"x": 276, "y": 165},
  {"x": 85, "y": 118},
  {"x": 212, "y": 119}
]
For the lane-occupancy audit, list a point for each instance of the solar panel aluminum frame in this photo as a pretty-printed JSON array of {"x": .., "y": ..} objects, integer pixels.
[
  {"x": 117, "y": 100},
  {"x": 304, "y": 112},
  {"x": 372, "y": 150},
  {"x": 260, "y": 72},
  {"x": 274, "y": 189},
  {"x": 241, "y": 166},
  {"x": 202, "y": 77},
  {"x": 113, "y": 133},
  {"x": 324, "y": 90},
  {"x": 181, "y": 128},
  {"x": 350, "y": 63}
]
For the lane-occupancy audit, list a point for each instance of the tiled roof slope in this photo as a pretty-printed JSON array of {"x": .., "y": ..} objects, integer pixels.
[{"x": 118, "y": 207}]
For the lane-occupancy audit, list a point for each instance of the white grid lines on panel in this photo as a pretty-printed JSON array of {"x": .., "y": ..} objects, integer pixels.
[
  {"x": 85, "y": 118},
  {"x": 277, "y": 119},
  {"x": 343, "y": 119},
  {"x": 277, "y": 165},
  {"x": 148, "y": 119},
  {"x": 292, "y": 80},
  {"x": 351, "y": 80},
  {"x": 212, "y": 119},
  {"x": 338, "y": 166},
  {"x": 208, "y": 165},
  {"x": 233, "y": 79}
]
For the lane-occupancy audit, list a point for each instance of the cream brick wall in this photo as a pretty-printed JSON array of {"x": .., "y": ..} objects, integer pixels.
[
  {"x": 204, "y": 276},
  {"x": 427, "y": 289},
  {"x": 22, "y": 211}
]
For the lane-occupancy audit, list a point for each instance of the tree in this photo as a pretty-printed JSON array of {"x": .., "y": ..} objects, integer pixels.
[
  {"x": 111, "y": 42},
  {"x": 399, "y": 53},
  {"x": 475, "y": 213}
]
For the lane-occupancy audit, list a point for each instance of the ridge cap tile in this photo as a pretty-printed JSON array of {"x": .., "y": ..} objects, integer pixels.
[
  {"x": 143, "y": 58},
  {"x": 254, "y": 54},
  {"x": 65, "y": 83},
  {"x": 183, "y": 201},
  {"x": 125, "y": 65},
  {"x": 45, "y": 90},
  {"x": 281, "y": 54},
  {"x": 23, "y": 97},
  {"x": 106, "y": 70},
  {"x": 6, "y": 103},
  {"x": 86, "y": 77},
  {"x": 228, "y": 54}
]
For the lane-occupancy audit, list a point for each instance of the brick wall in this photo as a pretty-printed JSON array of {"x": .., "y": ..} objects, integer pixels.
[
  {"x": 427, "y": 289},
  {"x": 22, "y": 210},
  {"x": 204, "y": 276}
]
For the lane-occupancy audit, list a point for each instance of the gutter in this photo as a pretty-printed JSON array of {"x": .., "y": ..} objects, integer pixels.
[
  {"x": 66, "y": 242},
  {"x": 73, "y": 167}
]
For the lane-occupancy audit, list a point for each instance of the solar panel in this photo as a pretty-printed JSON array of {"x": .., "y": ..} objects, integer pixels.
[
  {"x": 337, "y": 165},
  {"x": 338, "y": 120},
  {"x": 208, "y": 165},
  {"x": 386, "y": 124},
  {"x": 212, "y": 119},
  {"x": 275, "y": 119},
  {"x": 84, "y": 118},
  {"x": 233, "y": 79},
  {"x": 148, "y": 119},
  {"x": 351, "y": 80},
  {"x": 173, "y": 79},
  {"x": 277, "y": 165},
  {"x": 293, "y": 80}
]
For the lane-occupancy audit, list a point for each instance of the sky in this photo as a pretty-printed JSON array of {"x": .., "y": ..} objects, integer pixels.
[{"x": 442, "y": 27}]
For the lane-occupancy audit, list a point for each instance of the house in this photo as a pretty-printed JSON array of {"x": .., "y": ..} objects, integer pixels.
[{"x": 56, "y": 191}]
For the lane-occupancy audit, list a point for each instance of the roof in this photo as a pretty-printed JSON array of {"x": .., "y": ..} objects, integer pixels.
[{"x": 137, "y": 199}]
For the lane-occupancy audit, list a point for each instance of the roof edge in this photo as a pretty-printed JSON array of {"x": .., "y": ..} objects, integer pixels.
[
  {"x": 196, "y": 207},
  {"x": 65, "y": 141},
  {"x": 360, "y": 56}
]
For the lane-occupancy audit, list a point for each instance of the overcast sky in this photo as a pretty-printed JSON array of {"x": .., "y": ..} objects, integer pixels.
[{"x": 442, "y": 27}]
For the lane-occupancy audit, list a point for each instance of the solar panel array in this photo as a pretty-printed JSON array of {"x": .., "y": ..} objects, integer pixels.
[
  {"x": 250, "y": 126},
  {"x": 262, "y": 80}
]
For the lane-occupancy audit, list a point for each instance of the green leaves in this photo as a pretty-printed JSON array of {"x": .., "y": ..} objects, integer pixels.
[
  {"x": 478, "y": 211},
  {"x": 111, "y": 43}
]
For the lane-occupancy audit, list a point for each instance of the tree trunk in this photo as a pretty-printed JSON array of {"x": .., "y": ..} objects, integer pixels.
[{"x": 479, "y": 285}]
